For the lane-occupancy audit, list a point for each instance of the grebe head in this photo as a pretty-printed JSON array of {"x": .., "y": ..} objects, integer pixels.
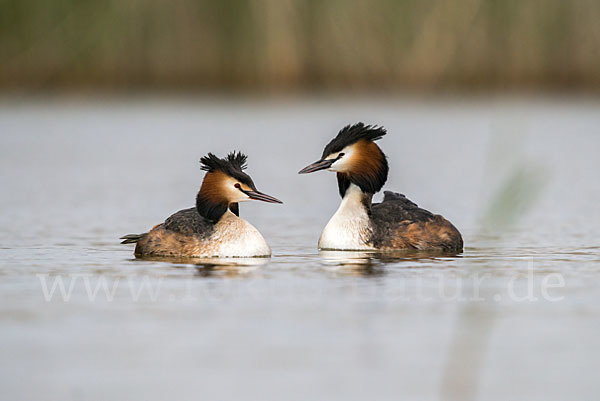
[
  {"x": 226, "y": 184},
  {"x": 355, "y": 157}
]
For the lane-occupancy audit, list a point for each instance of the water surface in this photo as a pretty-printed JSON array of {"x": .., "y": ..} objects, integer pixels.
[{"x": 516, "y": 316}]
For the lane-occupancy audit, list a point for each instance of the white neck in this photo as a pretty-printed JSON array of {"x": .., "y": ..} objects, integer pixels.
[{"x": 349, "y": 228}]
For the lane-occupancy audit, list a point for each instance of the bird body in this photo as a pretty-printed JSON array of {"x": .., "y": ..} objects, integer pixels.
[
  {"x": 213, "y": 228},
  {"x": 187, "y": 233},
  {"x": 394, "y": 224}
]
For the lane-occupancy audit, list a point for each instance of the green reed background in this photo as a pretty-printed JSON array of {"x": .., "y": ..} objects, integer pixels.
[{"x": 277, "y": 45}]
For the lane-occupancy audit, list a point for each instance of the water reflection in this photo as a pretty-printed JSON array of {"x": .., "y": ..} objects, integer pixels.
[
  {"x": 373, "y": 263},
  {"x": 228, "y": 267},
  {"x": 344, "y": 258},
  {"x": 214, "y": 266},
  {"x": 354, "y": 263}
]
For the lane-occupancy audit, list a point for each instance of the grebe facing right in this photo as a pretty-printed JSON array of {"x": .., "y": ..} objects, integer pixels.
[
  {"x": 213, "y": 228},
  {"x": 394, "y": 224}
]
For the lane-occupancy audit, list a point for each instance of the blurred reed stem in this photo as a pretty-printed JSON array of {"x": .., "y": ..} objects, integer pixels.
[{"x": 281, "y": 44}]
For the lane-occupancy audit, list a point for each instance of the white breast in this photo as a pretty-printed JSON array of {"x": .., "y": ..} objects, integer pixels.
[
  {"x": 235, "y": 237},
  {"x": 349, "y": 228}
]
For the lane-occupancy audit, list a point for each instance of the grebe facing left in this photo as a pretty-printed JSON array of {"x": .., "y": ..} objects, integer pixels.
[
  {"x": 213, "y": 228},
  {"x": 394, "y": 224}
]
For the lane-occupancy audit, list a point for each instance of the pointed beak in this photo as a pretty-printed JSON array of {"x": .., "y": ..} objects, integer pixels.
[
  {"x": 316, "y": 166},
  {"x": 256, "y": 195}
]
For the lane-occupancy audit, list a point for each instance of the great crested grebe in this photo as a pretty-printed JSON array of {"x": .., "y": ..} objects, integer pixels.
[
  {"x": 394, "y": 224},
  {"x": 213, "y": 228}
]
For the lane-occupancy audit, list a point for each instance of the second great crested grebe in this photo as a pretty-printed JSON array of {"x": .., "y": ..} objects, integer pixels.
[
  {"x": 213, "y": 228},
  {"x": 394, "y": 224}
]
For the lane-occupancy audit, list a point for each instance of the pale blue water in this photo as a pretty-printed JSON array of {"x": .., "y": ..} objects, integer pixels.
[{"x": 76, "y": 175}]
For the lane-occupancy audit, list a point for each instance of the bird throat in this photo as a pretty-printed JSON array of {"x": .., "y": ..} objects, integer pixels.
[{"x": 350, "y": 227}]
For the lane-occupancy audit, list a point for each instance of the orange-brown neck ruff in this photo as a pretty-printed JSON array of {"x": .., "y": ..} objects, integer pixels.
[
  {"x": 368, "y": 168},
  {"x": 211, "y": 202}
]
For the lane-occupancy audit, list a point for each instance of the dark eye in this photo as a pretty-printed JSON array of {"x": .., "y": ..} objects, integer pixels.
[
  {"x": 340, "y": 155},
  {"x": 238, "y": 186}
]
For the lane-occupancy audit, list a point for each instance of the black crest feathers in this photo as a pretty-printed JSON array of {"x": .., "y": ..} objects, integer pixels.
[
  {"x": 351, "y": 134},
  {"x": 234, "y": 160},
  {"x": 233, "y": 165},
  {"x": 238, "y": 159}
]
